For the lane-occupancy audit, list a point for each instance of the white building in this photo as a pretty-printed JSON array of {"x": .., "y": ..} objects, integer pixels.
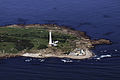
[{"x": 78, "y": 52}]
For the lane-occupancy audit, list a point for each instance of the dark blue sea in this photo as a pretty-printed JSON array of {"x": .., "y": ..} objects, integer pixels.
[{"x": 98, "y": 18}]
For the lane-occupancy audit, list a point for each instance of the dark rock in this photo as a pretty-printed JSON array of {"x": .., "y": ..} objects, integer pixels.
[{"x": 100, "y": 41}]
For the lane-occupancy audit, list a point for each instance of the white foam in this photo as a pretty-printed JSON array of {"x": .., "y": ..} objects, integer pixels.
[
  {"x": 102, "y": 56},
  {"x": 28, "y": 60},
  {"x": 41, "y": 60},
  {"x": 105, "y": 50},
  {"x": 66, "y": 60},
  {"x": 98, "y": 58},
  {"x": 95, "y": 55}
]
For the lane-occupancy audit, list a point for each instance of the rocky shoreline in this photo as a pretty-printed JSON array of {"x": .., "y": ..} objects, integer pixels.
[
  {"x": 82, "y": 42},
  {"x": 89, "y": 54}
]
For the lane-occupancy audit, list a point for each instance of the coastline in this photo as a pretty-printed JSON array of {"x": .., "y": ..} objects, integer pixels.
[
  {"x": 83, "y": 42},
  {"x": 38, "y": 55}
]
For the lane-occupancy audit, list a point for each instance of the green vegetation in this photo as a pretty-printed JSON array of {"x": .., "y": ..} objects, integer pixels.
[
  {"x": 14, "y": 40},
  {"x": 64, "y": 43}
]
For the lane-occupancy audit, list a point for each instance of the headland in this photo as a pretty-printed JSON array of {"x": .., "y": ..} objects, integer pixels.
[{"x": 46, "y": 40}]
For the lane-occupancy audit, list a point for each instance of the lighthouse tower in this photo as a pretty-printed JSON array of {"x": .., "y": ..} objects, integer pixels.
[{"x": 50, "y": 38}]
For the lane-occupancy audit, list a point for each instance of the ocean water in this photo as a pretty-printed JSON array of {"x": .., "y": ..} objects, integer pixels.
[{"x": 98, "y": 18}]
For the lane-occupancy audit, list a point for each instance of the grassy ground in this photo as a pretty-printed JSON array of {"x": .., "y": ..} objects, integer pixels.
[{"x": 14, "y": 40}]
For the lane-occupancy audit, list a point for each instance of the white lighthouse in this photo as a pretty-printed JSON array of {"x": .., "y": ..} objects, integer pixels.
[
  {"x": 50, "y": 38},
  {"x": 54, "y": 43}
]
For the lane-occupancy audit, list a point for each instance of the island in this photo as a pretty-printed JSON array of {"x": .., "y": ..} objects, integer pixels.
[{"x": 46, "y": 40}]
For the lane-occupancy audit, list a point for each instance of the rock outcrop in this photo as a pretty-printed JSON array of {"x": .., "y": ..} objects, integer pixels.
[{"x": 100, "y": 41}]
